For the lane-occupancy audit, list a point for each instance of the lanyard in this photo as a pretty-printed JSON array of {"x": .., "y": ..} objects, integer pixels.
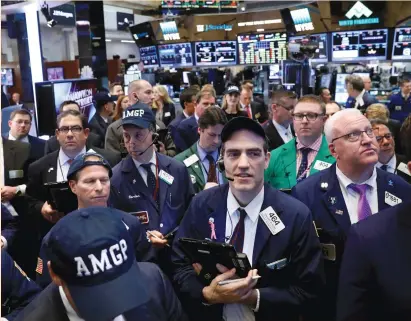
[{"x": 156, "y": 190}]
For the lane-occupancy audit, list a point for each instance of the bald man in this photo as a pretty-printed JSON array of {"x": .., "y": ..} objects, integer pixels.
[{"x": 347, "y": 192}]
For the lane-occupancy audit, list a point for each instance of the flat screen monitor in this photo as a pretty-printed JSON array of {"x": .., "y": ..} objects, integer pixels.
[
  {"x": 216, "y": 53},
  {"x": 401, "y": 49},
  {"x": 7, "y": 78},
  {"x": 341, "y": 94},
  {"x": 262, "y": 48},
  {"x": 55, "y": 73},
  {"x": 149, "y": 56},
  {"x": 359, "y": 45},
  {"x": 176, "y": 55},
  {"x": 170, "y": 30},
  {"x": 326, "y": 80},
  {"x": 275, "y": 72},
  {"x": 321, "y": 54},
  {"x": 143, "y": 34}
]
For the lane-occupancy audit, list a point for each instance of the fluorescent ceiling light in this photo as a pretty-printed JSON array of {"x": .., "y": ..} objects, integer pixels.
[
  {"x": 258, "y": 23},
  {"x": 108, "y": 40},
  {"x": 260, "y": 30},
  {"x": 128, "y": 41}
]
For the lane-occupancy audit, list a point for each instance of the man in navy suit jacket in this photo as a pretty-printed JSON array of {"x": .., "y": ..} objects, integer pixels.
[
  {"x": 334, "y": 194},
  {"x": 274, "y": 231},
  {"x": 358, "y": 97},
  {"x": 20, "y": 124},
  {"x": 186, "y": 133}
]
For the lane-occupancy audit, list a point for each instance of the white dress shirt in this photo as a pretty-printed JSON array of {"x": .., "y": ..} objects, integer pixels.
[
  {"x": 351, "y": 197},
  {"x": 142, "y": 170},
  {"x": 236, "y": 311},
  {"x": 285, "y": 133},
  {"x": 63, "y": 165},
  {"x": 359, "y": 99},
  {"x": 391, "y": 165},
  {"x": 71, "y": 314},
  {"x": 25, "y": 139}
]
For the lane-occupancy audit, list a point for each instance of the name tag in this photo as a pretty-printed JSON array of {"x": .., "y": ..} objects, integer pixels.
[
  {"x": 191, "y": 160},
  {"x": 258, "y": 115},
  {"x": 329, "y": 252},
  {"x": 18, "y": 173},
  {"x": 166, "y": 177},
  {"x": 398, "y": 108},
  {"x": 272, "y": 220},
  {"x": 404, "y": 168},
  {"x": 391, "y": 199},
  {"x": 320, "y": 165},
  {"x": 142, "y": 216},
  {"x": 167, "y": 114}
]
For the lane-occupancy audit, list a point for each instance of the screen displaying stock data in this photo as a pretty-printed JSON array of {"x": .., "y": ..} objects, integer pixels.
[
  {"x": 321, "y": 54},
  {"x": 263, "y": 48},
  {"x": 221, "y": 53},
  {"x": 149, "y": 57},
  {"x": 176, "y": 55},
  {"x": 401, "y": 49}
]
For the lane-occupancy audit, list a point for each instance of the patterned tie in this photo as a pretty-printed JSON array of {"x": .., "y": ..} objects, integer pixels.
[
  {"x": 212, "y": 175},
  {"x": 248, "y": 111},
  {"x": 151, "y": 181},
  {"x": 364, "y": 209},
  {"x": 302, "y": 170},
  {"x": 384, "y": 167},
  {"x": 237, "y": 240}
]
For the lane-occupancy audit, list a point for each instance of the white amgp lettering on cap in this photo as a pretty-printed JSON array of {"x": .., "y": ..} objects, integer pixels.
[
  {"x": 117, "y": 257},
  {"x": 133, "y": 113}
]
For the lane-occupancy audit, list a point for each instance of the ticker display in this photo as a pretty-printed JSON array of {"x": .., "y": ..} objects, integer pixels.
[
  {"x": 215, "y": 53},
  {"x": 149, "y": 57},
  {"x": 401, "y": 49},
  {"x": 176, "y": 55}
]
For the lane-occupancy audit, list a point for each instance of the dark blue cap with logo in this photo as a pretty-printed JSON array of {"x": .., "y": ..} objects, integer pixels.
[
  {"x": 88, "y": 159},
  {"x": 139, "y": 115},
  {"x": 241, "y": 123},
  {"x": 92, "y": 251},
  {"x": 104, "y": 97}
]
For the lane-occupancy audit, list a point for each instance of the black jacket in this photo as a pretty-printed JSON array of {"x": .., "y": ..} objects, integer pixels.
[
  {"x": 98, "y": 126},
  {"x": 169, "y": 113},
  {"x": 274, "y": 138}
]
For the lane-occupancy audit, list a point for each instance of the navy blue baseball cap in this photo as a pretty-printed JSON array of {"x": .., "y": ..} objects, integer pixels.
[
  {"x": 239, "y": 123},
  {"x": 139, "y": 115},
  {"x": 102, "y": 96},
  {"x": 88, "y": 159},
  {"x": 91, "y": 250}
]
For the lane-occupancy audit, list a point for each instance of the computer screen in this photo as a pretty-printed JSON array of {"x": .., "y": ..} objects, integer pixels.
[
  {"x": 149, "y": 56},
  {"x": 7, "y": 78},
  {"x": 221, "y": 53},
  {"x": 359, "y": 45},
  {"x": 321, "y": 54},
  {"x": 143, "y": 34},
  {"x": 262, "y": 48},
  {"x": 401, "y": 49},
  {"x": 55, "y": 73},
  {"x": 341, "y": 94},
  {"x": 176, "y": 55},
  {"x": 326, "y": 80}
]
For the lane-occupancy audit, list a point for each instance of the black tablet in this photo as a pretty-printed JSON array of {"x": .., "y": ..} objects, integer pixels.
[
  {"x": 60, "y": 197},
  {"x": 209, "y": 253}
]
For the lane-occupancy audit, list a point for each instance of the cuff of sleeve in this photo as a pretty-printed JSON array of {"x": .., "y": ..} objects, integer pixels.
[
  {"x": 257, "y": 306},
  {"x": 4, "y": 246},
  {"x": 23, "y": 189},
  {"x": 3, "y": 319}
]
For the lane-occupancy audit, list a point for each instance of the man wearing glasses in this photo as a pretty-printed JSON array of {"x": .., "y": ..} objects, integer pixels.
[
  {"x": 347, "y": 192},
  {"x": 388, "y": 160},
  {"x": 278, "y": 130},
  {"x": 307, "y": 153},
  {"x": 72, "y": 132}
]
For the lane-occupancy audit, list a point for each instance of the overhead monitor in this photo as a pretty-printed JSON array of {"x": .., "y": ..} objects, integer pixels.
[
  {"x": 170, "y": 30},
  {"x": 321, "y": 54},
  {"x": 149, "y": 56},
  {"x": 7, "y": 78},
  {"x": 341, "y": 94},
  {"x": 359, "y": 45},
  {"x": 262, "y": 48},
  {"x": 143, "y": 34},
  {"x": 55, "y": 73},
  {"x": 401, "y": 49},
  {"x": 212, "y": 53},
  {"x": 176, "y": 55}
]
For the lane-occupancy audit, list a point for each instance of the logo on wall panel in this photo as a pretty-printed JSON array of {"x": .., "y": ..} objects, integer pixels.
[{"x": 86, "y": 72}]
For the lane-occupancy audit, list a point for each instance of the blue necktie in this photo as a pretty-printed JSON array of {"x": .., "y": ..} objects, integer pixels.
[
  {"x": 303, "y": 165},
  {"x": 237, "y": 240},
  {"x": 384, "y": 167},
  {"x": 151, "y": 181}
]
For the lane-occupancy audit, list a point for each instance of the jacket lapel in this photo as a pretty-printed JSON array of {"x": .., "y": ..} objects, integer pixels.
[
  {"x": 53, "y": 167},
  {"x": 322, "y": 155},
  {"x": 384, "y": 184},
  {"x": 273, "y": 133},
  {"x": 289, "y": 158},
  {"x": 196, "y": 167},
  {"x": 163, "y": 164},
  {"x": 218, "y": 214}
]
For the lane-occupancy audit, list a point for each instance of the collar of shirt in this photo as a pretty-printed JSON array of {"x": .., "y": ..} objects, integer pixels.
[
  {"x": 281, "y": 128},
  {"x": 153, "y": 160},
  {"x": 185, "y": 114},
  {"x": 202, "y": 153},
  {"x": 359, "y": 98},
  {"x": 345, "y": 181},
  {"x": 196, "y": 116},
  {"x": 253, "y": 208},
  {"x": 63, "y": 158},
  {"x": 314, "y": 146},
  {"x": 105, "y": 119},
  {"x": 405, "y": 96},
  {"x": 25, "y": 139},
  {"x": 391, "y": 163}
]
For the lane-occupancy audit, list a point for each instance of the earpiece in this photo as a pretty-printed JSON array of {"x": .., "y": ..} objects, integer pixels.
[
  {"x": 155, "y": 137},
  {"x": 220, "y": 164}
]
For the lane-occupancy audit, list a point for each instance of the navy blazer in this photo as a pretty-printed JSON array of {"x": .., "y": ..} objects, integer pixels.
[
  {"x": 98, "y": 126},
  {"x": 375, "y": 279},
  {"x": 132, "y": 195},
  {"x": 37, "y": 146},
  {"x": 172, "y": 127},
  {"x": 367, "y": 98},
  {"x": 283, "y": 291},
  {"x": 9, "y": 225},
  {"x": 17, "y": 290},
  {"x": 169, "y": 113},
  {"x": 163, "y": 304},
  {"x": 186, "y": 133},
  {"x": 399, "y": 107},
  {"x": 321, "y": 192}
]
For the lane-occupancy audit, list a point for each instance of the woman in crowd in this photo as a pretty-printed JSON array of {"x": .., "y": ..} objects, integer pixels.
[
  {"x": 163, "y": 107},
  {"x": 231, "y": 103},
  {"x": 122, "y": 104}
]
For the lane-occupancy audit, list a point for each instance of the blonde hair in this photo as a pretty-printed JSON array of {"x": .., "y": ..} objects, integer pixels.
[
  {"x": 163, "y": 94},
  {"x": 224, "y": 104},
  {"x": 379, "y": 111}
]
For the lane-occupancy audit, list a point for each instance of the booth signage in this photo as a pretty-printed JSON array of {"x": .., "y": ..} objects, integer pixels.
[
  {"x": 362, "y": 13},
  {"x": 205, "y": 28},
  {"x": 64, "y": 15},
  {"x": 124, "y": 20}
]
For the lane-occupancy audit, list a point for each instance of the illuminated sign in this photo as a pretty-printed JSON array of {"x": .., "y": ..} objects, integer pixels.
[
  {"x": 358, "y": 10},
  {"x": 302, "y": 19},
  {"x": 205, "y": 28}
]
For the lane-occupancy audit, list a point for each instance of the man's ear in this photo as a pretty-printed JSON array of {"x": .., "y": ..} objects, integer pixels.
[
  {"x": 409, "y": 166},
  {"x": 333, "y": 152},
  {"x": 72, "y": 184}
]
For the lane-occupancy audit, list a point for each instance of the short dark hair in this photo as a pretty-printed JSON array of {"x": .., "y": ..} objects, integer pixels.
[
  {"x": 68, "y": 102},
  {"x": 84, "y": 122},
  {"x": 322, "y": 89},
  {"x": 114, "y": 84},
  {"x": 187, "y": 95},
  {"x": 24, "y": 112},
  {"x": 356, "y": 82},
  {"x": 403, "y": 81},
  {"x": 265, "y": 146},
  {"x": 212, "y": 116},
  {"x": 279, "y": 95},
  {"x": 100, "y": 104}
]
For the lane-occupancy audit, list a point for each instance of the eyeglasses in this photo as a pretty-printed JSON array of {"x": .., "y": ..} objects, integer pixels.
[
  {"x": 309, "y": 116},
  {"x": 387, "y": 136},
  {"x": 355, "y": 136},
  {"x": 74, "y": 129},
  {"x": 289, "y": 108},
  {"x": 21, "y": 122}
]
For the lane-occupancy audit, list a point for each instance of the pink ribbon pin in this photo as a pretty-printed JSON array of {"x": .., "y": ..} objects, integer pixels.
[{"x": 212, "y": 225}]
